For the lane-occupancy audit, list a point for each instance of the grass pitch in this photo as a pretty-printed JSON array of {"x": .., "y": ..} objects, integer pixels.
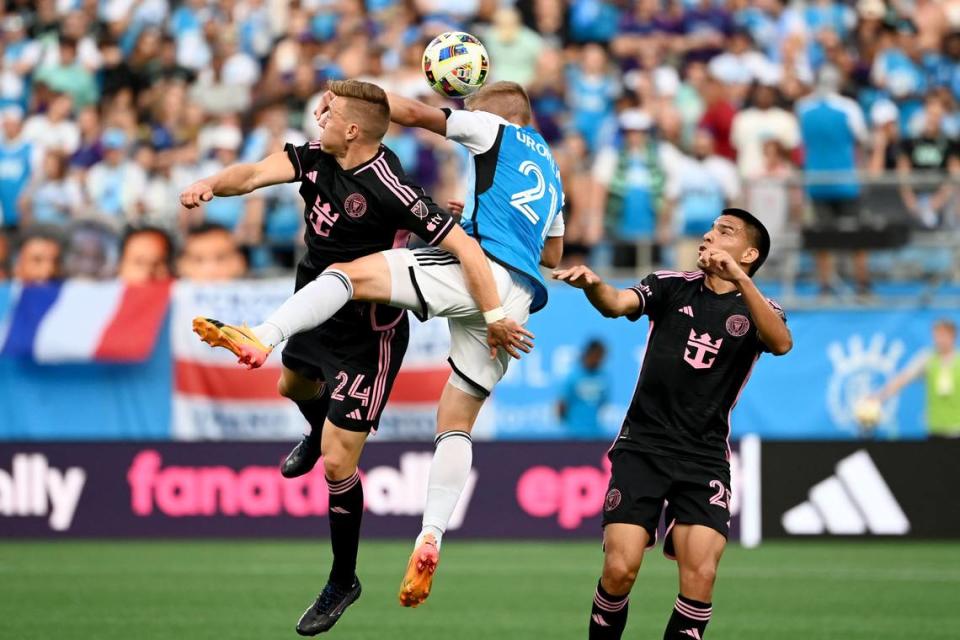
[{"x": 502, "y": 591}]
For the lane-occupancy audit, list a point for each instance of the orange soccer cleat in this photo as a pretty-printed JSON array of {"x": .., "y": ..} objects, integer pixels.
[
  {"x": 416, "y": 582},
  {"x": 240, "y": 340}
]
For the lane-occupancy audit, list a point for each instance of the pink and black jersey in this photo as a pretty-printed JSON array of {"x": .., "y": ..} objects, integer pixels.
[
  {"x": 700, "y": 351},
  {"x": 351, "y": 213}
]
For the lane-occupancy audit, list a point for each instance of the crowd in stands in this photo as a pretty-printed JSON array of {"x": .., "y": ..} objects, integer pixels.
[{"x": 660, "y": 113}]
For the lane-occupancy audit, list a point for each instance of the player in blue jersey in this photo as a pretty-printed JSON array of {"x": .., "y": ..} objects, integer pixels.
[{"x": 513, "y": 210}]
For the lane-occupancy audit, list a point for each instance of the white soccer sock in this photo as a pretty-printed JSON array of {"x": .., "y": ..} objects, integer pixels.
[
  {"x": 310, "y": 307},
  {"x": 452, "y": 460}
]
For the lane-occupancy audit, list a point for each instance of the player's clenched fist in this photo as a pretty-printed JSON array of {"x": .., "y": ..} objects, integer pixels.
[
  {"x": 579, "y": 276},
  {"x": 721, "y": 264},
  {"x": 196, "y": 194}
]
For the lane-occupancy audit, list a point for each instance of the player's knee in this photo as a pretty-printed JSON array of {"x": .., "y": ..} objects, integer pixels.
[
  {"x": 337, "y": 466},
  {"x": 619, "y": 574},
  {"x": 354, "y": 271},
  {"x": 296, "y": 390},
  {"x": 700, "y": 576}
]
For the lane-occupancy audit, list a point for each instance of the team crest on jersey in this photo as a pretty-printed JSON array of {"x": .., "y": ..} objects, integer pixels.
[
  {"x": 612, "y": 501},
  {"x": 355, "y": 205},
  {"x": 738, "y": 325},
  {"x": 419, "y": 209}
]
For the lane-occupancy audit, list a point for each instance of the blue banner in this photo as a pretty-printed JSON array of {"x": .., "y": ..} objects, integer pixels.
[{"x": 838, "y": 357}]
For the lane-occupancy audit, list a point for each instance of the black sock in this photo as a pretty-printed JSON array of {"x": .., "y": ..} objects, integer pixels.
[
  {"x": 608, "y": 617},
  {"x": 346, "y": 510},
  {"x": 315, "y": 411},
  {"x": 689, "y": 619}
]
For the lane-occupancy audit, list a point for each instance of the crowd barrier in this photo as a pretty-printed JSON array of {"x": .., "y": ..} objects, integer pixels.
[{"x": 81, "y": 361}]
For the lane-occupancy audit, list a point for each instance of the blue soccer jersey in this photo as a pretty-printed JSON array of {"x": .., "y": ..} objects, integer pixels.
[{"x": 514, "y": 194}]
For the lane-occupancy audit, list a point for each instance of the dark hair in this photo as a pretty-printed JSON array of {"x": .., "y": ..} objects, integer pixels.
[
  {"x": 132, "y": 231},
  {"x": 39, "y": 232},
  {"x": 594, "y": 344},
  {"x": 757, "y": 234},
  {"x": 205, "y": 228}
]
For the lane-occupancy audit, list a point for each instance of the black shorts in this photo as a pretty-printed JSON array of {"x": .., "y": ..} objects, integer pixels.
[
  {"x": 836, "y": 212},
  {"x": 356, "y": 354},
  {"x": 643, "y": 485}
]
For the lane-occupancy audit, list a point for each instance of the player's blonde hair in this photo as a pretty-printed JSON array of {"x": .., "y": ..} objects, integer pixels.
[
  {"x": 506, "y": 99},
  {"x": 368, "y": 104}
]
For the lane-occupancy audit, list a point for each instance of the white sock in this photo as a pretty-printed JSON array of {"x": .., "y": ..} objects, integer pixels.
[
  {"x": 310, "y": 307},
  {"x": 452, "y": 460}
]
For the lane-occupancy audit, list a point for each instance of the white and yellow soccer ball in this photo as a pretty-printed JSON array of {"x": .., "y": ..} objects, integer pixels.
[
  {"x": 868, "y": 412},
  {"x": 455, "y": 64}
]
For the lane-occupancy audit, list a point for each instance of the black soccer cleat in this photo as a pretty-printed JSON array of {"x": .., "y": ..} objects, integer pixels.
[
  {"x": 302, "y": 459},
  {"x": 329, "y": 606}
]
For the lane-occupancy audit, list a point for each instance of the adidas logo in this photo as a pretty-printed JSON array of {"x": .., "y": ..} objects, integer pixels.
[
  {"x": 693, "y": 633},
  {"x": 355, "y": 415},
  {"x": 339, "y": 510},
  {"x": 687, "y": 310},
  {"x": 599, "y": 620},
  {"x": 854, "y": 501}
]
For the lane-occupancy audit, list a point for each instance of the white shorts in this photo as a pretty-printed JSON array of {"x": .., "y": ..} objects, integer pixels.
[{"x": 430, "y": 282}]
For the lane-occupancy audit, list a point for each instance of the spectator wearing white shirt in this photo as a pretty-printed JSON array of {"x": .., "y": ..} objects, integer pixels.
[
  {"x": 698, "y": 188},
  {"x": 760, "y": 122},
  {"x": 54, "y": 130},
  {"x": 115, "y": 185}
]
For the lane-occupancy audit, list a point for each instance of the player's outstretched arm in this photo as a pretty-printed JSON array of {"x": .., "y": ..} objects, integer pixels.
[
  {"x": 238, "y": 179},
  {"x": 413, "y": 113},
  {"x": 608, "y": 300},
  {"x": 502, "y": 332}
]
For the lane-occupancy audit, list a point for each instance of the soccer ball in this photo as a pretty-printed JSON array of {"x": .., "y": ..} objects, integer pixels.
[
  {"x": 455, "y": 64},
  {"x": 868, "y": 412}
]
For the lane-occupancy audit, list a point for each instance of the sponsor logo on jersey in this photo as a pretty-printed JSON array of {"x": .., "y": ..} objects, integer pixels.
[
  {"x": 355, "y": 205},
  {"x": 612, "y": 501},
  {"x": 419, "y": 209},
  {"x": 434, "y": 221},
  {"x": 738, "y": 325},
  {"x": 699, "y": 348},
  {"x": 854, "y": 501}
]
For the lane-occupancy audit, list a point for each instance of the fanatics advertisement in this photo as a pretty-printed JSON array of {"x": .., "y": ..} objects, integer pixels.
[
  {"x": 516, "y": 490},
  {"x": 815, "y": 489}
]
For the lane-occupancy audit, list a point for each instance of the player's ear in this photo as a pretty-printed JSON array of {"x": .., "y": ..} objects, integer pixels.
[
  {"x": 353, "y": 131},
  {"x": 749, "y": 256}
]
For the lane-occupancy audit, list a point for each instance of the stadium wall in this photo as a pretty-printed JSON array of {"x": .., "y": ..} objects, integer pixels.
[{"x": 89, "y": 361}]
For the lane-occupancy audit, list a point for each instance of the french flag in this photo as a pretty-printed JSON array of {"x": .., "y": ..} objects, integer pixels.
[{"x": 76, "y": 321}]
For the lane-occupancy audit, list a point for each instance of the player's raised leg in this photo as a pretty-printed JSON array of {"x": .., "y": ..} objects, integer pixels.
[
  {"x": 449, "y": 471},
  {"x": 313, "y": 400},
  {"x": 341, "y": 453},
  {"x": 698, "y": 549},
  {"x": 623, "y": 546}
]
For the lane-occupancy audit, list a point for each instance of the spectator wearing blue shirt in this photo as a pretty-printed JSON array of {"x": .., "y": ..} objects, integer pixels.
[
  {"x": 831, "y": 127},
  {"x": 898, "y": 68},
  {"x": 18, "y": 158},
  {"x": 585, "y": 392},
  {"x": 592, "y": 90}
]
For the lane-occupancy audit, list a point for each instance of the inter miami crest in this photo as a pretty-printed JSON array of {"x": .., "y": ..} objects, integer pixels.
[
  {"x": 355, "y": 205},
  {"x": 612, "y": 501}
]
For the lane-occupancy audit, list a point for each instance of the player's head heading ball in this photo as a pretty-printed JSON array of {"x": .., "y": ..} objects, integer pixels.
[
  {"x": 508, "y": 100},
  {"x": 360, "y": 112},
  {"x": 748, "y": 242}
]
